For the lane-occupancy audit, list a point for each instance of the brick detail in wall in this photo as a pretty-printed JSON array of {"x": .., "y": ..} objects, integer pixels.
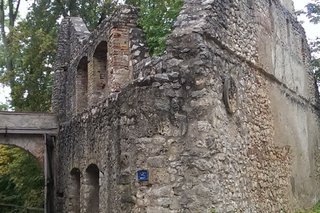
[
  {"x": 91, "y": 80},
  {"x": 119, "y": 57}
]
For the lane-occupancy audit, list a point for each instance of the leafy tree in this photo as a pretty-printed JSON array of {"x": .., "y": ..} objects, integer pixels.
[
  {"x": 157, "y": 18},
  {"x": 92, "y": 12},
  {"x": 315, "y": 63},
  {"x": 313, "y": 11},
  {"x": 8, "y": 191},
  {"x": 4, "y": 107},
  {"x": 8, "y": 16},
  {"x": 313, "y": 14},
  {"x": 22, "y": 180},
  {"x": 14, "y": 65},
  {"x": 32, "y": 49}
]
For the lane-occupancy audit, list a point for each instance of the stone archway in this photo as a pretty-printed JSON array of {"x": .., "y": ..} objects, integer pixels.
[
  {"x": 33, "y": 144},
  {"x": 33, "y": 132}
]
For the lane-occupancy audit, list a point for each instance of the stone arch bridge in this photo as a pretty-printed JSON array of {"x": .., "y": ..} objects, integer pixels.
[{"x": 35, "y": 133}]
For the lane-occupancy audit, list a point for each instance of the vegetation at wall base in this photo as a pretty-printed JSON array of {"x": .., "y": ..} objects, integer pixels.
[{"x": 315, "y": 209}]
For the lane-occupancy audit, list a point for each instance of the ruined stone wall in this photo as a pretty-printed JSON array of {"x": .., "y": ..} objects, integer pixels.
[
  {"x": 91, "y": 66},
  {"x": 283, "y": 52},
  {"x": 226, "y": 120}
]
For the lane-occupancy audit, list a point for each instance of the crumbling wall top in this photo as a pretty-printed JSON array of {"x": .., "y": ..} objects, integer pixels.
[
  {"x": 91, "y": 65},
  {"x": 288, "y": 4}
]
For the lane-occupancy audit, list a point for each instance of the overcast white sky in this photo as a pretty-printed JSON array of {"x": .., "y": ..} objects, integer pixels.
[{"x": 312, "y": 32}]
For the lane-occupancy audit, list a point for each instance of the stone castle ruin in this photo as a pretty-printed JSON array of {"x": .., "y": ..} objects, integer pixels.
[{"x": 226, "y": 120}]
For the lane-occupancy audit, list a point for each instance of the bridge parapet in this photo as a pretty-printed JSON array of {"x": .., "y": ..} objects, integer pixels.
[{"x": 28, "y": 123}]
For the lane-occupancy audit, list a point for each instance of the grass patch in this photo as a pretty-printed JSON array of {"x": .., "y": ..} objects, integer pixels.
[{"x": 315, "y": 209}]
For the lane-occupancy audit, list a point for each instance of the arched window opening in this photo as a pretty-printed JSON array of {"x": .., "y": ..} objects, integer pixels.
[
  {"x": 93, "y": 188},
  {"x": 100, "y": 70},
  {"x": 74, "y": 191},
  {"x": 82, "y": 85}
]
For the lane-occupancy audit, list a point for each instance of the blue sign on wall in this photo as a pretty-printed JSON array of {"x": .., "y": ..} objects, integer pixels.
[{"x": 143, "y": 175}]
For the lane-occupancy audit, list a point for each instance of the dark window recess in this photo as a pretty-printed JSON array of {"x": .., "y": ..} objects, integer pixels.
[
  {"x": 93, "y": 188},
  {"x": 82, "y": 85},
  {"x": 74, "y": 191}
]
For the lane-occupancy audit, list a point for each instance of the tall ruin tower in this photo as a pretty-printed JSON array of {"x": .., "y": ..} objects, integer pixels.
[{"x": 225, "y": 120}]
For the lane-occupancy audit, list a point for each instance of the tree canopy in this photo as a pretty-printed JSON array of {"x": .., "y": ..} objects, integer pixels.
[
  {"x": 29, "y": 46},
  {"x": 313, "y": 14},
  {"x": 21, "y": 178},
  {"x": 4, "y": 107},
  {"x": 157, "y": 18}
]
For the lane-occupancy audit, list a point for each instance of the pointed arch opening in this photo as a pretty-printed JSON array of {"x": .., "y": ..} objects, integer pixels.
[
  {"x": 74, "y": 191},
  {"x": 82, "y": 85},
  {"x": 93, "y": 186}
]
